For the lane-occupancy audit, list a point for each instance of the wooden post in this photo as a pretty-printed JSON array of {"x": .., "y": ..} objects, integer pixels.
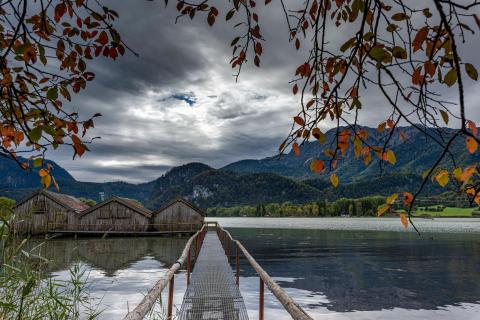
[
  {"x": 196, "y": 247},
  {"x": 237, "y": 265},
  {"x": 170, "y": 298},
  {"x": 260, "y": 310},
  {"x": 188, "y": 267}
]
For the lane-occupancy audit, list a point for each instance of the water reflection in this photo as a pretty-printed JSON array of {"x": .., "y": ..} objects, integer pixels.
[
  {"x": 111, "y": 254},
  {"x": 334, "y": 274},
  {"x": 347, "y": 271}
]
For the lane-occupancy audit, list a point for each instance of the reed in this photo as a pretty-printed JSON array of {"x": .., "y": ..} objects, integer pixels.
[{"x": 28, "y": 292}]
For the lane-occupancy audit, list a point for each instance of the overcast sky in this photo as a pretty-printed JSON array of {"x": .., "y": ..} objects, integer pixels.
[{"x": 178, "y": 101}]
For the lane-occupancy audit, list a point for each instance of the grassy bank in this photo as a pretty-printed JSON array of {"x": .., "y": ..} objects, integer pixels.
[{"x": 439, "y": 211}]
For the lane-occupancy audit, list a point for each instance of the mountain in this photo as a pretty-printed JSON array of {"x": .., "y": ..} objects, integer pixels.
[
  {"x": 17, "y": 183},
  {"x": 415, "y": 154},
  {"x": 272, "y": 179},
  {"x": 209, "y": 187}
]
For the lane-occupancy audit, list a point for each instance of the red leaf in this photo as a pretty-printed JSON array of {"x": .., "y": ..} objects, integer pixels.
[
  {"x": 295, "y": 89},
  {"x": 103, "y": 38},
  {"x": 299, "y": 120}
]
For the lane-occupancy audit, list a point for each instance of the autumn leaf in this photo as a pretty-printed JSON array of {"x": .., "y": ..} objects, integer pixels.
[
  {"x": 103, "y": 38},
  {"x": 420, "y": 37},
  {"x": 444, "y": 116},
  {"x": 382, "y": 209},
  {"x": 334, "y": 179},
  {"x": 46, "y": 181},
  {"x": 442, "y": 178},
  {"x": 404, "y": 220},
  {"x": 299, "y": 121},
  {"x": 407, "y": 198},
  {"x": 472, "y": 145},
  {"x": 467, "y": 173},
  {"x": 391, "y": 158},
  {"x": 295, "y": 89},
  {"x": 43, "y": 172},
  {"x": 471, "y": 71},
  {"x": 473, "y": 127},
  {"x": 392, "y": 198},
  {"x": 317, "y": 166},
  {"x": 451, "y": 77},
  {"x": 296, "y": 149}
]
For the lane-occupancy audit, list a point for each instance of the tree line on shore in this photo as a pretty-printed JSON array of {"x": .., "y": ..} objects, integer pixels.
[{"x": 366, "y": 206}]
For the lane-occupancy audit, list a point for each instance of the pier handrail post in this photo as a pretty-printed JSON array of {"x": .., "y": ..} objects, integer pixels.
[
  {"x": 188, "y": 266},
  {"x": 228, "y": 249},
  {"x": 170, "y": 298},
  {"x": 261, "y": 302},
  {"x": 237, "y": 253}
]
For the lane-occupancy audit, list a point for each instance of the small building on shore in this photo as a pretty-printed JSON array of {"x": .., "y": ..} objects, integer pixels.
[
  {"x": 43, "y": 211},
  {"x": 178, "y": 215},
  {"x": 115, "y": 214}
]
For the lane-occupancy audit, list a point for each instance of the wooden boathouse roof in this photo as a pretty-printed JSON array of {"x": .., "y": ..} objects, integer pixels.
[
  {"x": 182, "y": 200},
  {"x": 64, "y": 200},
  {"x": 130, "y": 203}
]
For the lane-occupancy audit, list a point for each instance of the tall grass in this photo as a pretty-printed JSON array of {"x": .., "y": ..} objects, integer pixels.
[{"x": 26, "y": 290}]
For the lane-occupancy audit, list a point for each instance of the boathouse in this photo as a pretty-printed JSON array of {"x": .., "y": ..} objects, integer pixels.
[
  {"x": 178, "y": 215},
  {"x": 115, "y": 214},
  {"x": 43, "y": 211}
]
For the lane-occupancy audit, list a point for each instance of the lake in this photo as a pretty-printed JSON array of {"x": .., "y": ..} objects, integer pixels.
[{"x": 336, "y": 268}]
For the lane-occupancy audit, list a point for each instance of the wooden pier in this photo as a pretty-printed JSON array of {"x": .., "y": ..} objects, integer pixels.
[{"x": 213, "y": 287}]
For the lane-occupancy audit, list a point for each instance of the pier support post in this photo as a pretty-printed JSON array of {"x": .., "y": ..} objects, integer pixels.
[
  {"x": 170, "y": 298},
  {"x": 261, "y": 304}
]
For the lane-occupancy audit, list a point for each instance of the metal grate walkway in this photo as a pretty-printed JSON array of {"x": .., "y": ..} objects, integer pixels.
[{"x": 212, "y": 293}]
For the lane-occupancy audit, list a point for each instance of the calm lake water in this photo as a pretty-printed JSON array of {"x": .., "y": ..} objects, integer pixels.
[{"x": 336, "y": 268}]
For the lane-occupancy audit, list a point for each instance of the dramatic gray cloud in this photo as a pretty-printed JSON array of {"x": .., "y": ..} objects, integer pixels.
[{"x": 178, "y": 101}]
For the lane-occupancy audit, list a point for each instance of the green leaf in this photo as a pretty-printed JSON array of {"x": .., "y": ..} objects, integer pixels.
[
  {"x": 444, "y": 116},
  {"x": 377, "y": 54},
  {"x": 38, "y": 162},
  {"x": 35, "y": 134},
  {"x": 399, "y": 52},
  {"x": 348, "y": 44},
  {"x": 450, "y": 77},
  {"x": 471, "y": 71},
  {"x": 52, "y": 93},
  {"x": 230, "y": 14}
]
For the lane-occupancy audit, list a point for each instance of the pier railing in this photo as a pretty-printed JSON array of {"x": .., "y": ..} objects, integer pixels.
[
  {"x": 228, "y": 243},
  {"x": 148, "y": 301}
]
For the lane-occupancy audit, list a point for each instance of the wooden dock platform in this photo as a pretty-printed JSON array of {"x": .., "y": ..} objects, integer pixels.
[
  {"x": 212, "y": 293},
  {"x": 213, "y": 288}
]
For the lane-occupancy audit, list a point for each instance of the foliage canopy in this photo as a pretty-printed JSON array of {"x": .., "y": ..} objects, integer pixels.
[{"x": 408, "y": 52}]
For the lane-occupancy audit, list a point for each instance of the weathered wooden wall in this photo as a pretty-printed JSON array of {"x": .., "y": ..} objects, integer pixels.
[
  {"x": 177, "y": 217},
  {"x": 34, "y": 215},
  {"x": 113, "y": 216}
]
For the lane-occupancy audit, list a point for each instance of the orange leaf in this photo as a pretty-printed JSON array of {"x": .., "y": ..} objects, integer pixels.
[
  {"x": 420, "y": 37},
  {"x": 473, "y": 127},
  {"x": 404, "y": 220},
  {"x": 390, "y": 123},
  {"x": 43, "y": 172},
  {"x": 467, "y": 173},
  {"x": 296, "y": 149},
  {"x": 407, "y": 198},
  {"x": 472, "y": 145},
  {"x": 317, "y": 166}
]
